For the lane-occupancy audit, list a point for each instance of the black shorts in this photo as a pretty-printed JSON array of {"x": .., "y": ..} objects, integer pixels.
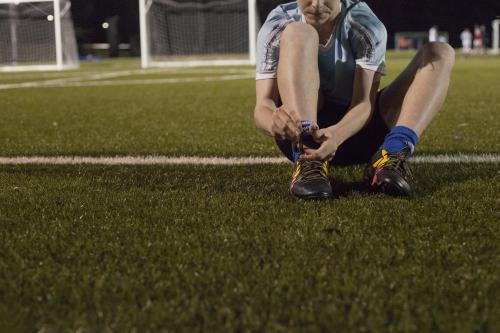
[{"x": 358, "y": 149}]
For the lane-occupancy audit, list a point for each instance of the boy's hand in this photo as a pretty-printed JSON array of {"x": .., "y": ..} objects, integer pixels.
[
  {"x": 285, "y": 125},
  {"x": 327, "y": 149}
]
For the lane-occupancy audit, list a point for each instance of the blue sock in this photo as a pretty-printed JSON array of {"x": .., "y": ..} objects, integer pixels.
[
  {"x": 306, "y": 137},
  {"x": 398, "y": 138}
]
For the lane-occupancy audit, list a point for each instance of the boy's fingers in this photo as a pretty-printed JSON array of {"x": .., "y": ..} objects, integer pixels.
[
  {"x": 288, "y": 114},
  {"x": 309, "y": 154},
  {"x": 292, "y": 135},
  {"x": 318, "y": 135},
  {"x": 279, "y": 129},
  {"x": 292, "y": 115},
  {"x": 305, "y": 157},
  {"x": 308, "y": 150},
  {"x": 314, "y": 154},
  {"x": 289, "y": 123}
]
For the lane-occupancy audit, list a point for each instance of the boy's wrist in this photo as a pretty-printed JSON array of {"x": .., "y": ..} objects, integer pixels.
[{"x": 337, "y": 134}]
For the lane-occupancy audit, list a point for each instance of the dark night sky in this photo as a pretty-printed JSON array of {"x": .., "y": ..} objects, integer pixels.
[
  {"x": 397, "y": 15},
  {"x": 450, "y": 15}
]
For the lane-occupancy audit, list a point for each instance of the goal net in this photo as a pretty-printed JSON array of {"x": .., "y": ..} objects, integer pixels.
[
  {"x": 177, "y": 33},
  {"x": 37, "y": 35}
]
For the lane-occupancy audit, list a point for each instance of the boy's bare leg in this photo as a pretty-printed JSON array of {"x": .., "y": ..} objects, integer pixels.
[
  {"x": 298, "y": 85},
  {"x": 418, "y": 93},
  {"x": 410, "y": 103},
  {"x": 298, "y": 74}
]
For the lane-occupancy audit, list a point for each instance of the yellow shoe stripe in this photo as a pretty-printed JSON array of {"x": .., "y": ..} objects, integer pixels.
[
  {"x": 296, "y": 172},
  {"x": 383, "y": 160}
]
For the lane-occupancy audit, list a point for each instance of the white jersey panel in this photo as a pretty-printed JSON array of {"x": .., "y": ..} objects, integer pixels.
[{"x": 360, "y": 40}]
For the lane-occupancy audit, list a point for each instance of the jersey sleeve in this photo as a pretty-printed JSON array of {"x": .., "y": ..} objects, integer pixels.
[
  {"x": 268, "y": 45},
  {"x": 368, "y": 38}
]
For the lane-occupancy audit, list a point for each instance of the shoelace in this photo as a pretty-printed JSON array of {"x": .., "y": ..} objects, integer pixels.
[
  {"x": 310, "y": 170},
  {"x": 398, "y": 163}
]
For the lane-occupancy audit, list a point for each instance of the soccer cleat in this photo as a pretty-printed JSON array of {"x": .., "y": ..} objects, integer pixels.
[
  {"x": 310, "y": 180},
  {"x": 390, "y": 173}
]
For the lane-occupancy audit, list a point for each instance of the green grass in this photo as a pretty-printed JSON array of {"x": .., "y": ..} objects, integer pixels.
[
  {"x": 212, "y": 118},
  {"x": 184, "y": 248}
]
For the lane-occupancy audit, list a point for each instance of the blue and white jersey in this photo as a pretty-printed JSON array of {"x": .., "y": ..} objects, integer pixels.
[{"x": 359, "y": 39}]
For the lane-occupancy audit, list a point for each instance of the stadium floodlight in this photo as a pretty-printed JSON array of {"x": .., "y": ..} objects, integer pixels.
[
  {"x": 177, "y": 33},
  {"x": 37, "y": 35},
  {"x": 496, "y": 36}
]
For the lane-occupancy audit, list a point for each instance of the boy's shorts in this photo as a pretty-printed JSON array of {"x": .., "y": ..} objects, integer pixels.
[{"x": 358, "y": 149}]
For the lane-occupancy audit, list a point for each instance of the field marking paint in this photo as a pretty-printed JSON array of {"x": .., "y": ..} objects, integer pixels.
[
  {"x": 159, "y": 81},
  {"x": 60, "y": 82},
  {"x": 78, "y": 83},
  {"x": 227, "y": 161},
  {"x": 459, "y": 158},
  {"x": 94, "y": 79},
  {"x": 38, "y": 76},
  {"x": 141, "y": 71}
]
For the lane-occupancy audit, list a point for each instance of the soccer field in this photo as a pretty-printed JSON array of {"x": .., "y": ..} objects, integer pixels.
[{"x": 189, "y": 247}]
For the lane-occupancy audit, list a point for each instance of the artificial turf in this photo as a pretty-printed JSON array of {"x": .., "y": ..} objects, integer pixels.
[
  {"x": 226, "y": 249},
  {"x": 212, "y": 118},
  {"x": 193, "y": 248}
]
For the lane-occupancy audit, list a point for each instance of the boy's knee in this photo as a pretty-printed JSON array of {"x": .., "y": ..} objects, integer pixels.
[
  {"x": 300, "y": 33},
  {"x": 439, "y": 52}
]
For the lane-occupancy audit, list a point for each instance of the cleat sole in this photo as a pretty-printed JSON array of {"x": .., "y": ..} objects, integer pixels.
[
  {"x": 316, "y": 196},
  {"x": 392, "y": 184}
]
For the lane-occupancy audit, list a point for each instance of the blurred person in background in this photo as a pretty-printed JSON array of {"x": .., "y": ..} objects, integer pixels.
[
  {"x": 466, "y": 37},
  {"x": 478, "y": 40}
]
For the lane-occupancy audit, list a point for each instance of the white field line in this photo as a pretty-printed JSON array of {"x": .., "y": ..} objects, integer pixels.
[
  {"x": 92, "y": 79},
  {"x": 78, "y": 83},
  {"x": 65, "y": 81},
  {"x": 158, "y": 81},
  {"x": 228, "y": 161},
  {"x": 43, "y": 76},
  {"x": 61, "y": 75},
  {"x": 137, "y": 71},
  {"x": 38, "y": 76},
  {"x": 141, "y": 160},
  {"x": 459, "y": 158}
]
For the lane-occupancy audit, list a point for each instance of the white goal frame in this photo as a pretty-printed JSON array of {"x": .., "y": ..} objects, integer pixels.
[
  {"x": 146, "y": 61},
  {"x": 495, "y": 48},
  {"x": 59, "y": 61}
]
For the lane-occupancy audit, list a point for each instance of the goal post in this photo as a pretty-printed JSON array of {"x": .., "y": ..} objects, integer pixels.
[
  {"x": 192, "y": 33},
  {"x": 495, "y": 47},
  {"x": 37, "y": 35}
]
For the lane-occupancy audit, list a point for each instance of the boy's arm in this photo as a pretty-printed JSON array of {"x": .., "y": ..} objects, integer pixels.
[
  {"x": 273, "y": 121},
  {"x": 366, "y": 84}
]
